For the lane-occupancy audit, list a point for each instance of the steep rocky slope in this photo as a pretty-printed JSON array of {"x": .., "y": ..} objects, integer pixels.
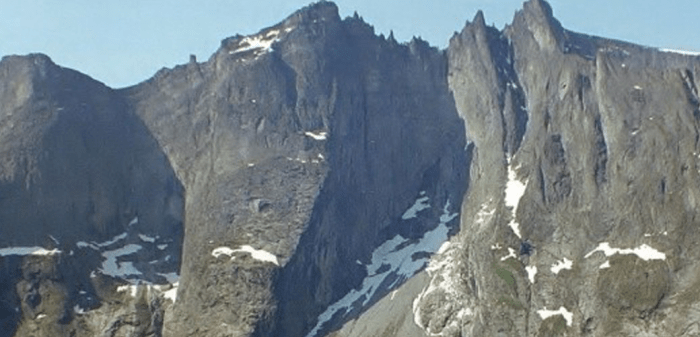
[
  {"x": 82, "y": 182},
  {"x": 298, "y": 181}
]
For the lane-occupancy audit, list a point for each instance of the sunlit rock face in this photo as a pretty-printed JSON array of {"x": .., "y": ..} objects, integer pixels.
[
  {"x": 315, "y": 179},
  {"x": 582, "y": 191}
]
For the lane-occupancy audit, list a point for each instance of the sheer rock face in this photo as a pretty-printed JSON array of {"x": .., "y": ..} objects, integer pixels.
[
  {"x": 608, "y": 155},
  {"x": 299, "y": 179}
]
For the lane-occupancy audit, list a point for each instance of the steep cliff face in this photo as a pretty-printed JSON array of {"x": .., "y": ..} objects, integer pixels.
[
  {"x": 580, "y": 224},
  {"x": 307, "y": 141},
  {"x": 298, "y": 182}
]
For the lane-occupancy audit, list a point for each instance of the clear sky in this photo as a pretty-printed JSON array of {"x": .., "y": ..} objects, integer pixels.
[{"x": 123, "y": 42}]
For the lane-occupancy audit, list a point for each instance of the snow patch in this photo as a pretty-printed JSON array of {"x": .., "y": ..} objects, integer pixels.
[
  {"x": 257, "y": 254},
  {"x": 644, "y": 252},
  {"x": 445, "y": 246},
  {"x": 484, "y": 215},
  {"x": 531, "y": 272},
  {"x": 260, "y": 43},
  {"x": 78, "y": 310},
  {"x": 419, "y": 205},
  {"x": 111, "y": 242},
  {"x": 112, "y": 268},
  {"x": 568, "y": 316},
  {"x": 682, "y": 52},
  {"x": 605, "y": 264},
  {"x": 83, "y": 244},
  {"x": 514, "y": 191},
  {"x": 23, "y": 251},
  {"x": 172, "y": 293},
  {"x": 131, "y": 288},
  {"x": 561, "y": 265},
  {"x": 172, "y": 278},
  {"x": 134, "y": 221},
  {"x": 322, "y": 135},
  {"x": 146, "y": 238},
  {"x": 396, "y": 253},
  {"x": 511, "y": 253},
  {"x": 163, "y": 246}
]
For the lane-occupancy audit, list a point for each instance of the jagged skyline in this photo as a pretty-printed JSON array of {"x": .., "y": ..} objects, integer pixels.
[{"x": 123, "y": 43}]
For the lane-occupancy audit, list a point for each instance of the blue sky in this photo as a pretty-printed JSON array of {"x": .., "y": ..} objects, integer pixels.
[{"x": 123, "y": 42}]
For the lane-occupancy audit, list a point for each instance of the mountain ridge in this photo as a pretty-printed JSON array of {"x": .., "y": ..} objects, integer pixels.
[{"x": 301, "y": 179}]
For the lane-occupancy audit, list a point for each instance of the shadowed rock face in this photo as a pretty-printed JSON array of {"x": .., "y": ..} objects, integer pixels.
[
  {"x": 78, "y": 167},
  {"x": 296, "y": 181}
]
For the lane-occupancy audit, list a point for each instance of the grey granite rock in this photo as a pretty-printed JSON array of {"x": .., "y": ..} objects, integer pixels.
[{"x": 298, "y": 181}]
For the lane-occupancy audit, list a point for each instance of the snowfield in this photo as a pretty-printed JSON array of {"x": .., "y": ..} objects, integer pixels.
[{"x": 396, "y": 253}]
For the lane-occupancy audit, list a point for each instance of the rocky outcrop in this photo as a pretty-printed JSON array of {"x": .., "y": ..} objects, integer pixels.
[{"x": 315, "y": 179}]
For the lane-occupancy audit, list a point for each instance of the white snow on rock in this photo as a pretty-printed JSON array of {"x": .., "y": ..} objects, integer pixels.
[
  {"x": 222, "y": 251},
  {"x": 113, "y": 241},
  {"x": 261, "y": 43},
  {"x": 398, "y": 255},
  {"x": 678, "y": 51},
  {"x": 131, "y": 288},
  {"x": 22, "y": 251},
  {"x": 83, "y": 244},
  {"x": 561, "y": 265},
  {"x": 445, "y": 246},
  {"x": 78, "y": 310},
  {"x": 134, "y": 221},
  {"x": 172, "y": 293},
  {"x": 605, "y": 264},
  {"x": 531, "y": 272},
  {"x": 257, "y": 254},
  {"x": 321, "y": 135},
  {"x": 644, "y": 252},
  {"x": 163, "y": 246},
  {"x": 172, "y": 278},
  {"x": 419, "y": 205},
  {"x": 568, "y": 316},
  {"x": 514, "y": 191},
  {"x": 112, "y": 268},
  {"x": 484, "y": 215},
  {"x": 511, "y": 253},
  {"x": 146, "y": 238}
]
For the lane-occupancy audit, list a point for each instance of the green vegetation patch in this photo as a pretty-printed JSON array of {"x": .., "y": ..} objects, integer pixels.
[
  {"x": 552, "y": 326},
  {"x": 506, "y": 275}
]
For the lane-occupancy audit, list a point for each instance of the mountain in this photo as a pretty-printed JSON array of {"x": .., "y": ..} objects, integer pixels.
[{"x": 315, "y": 179}]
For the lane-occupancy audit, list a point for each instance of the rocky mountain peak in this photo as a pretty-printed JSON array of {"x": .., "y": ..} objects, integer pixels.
[
  {"x": 315, "y": 12},
  {"x": 37, "y": 62},
  {"x": 479, "y": 20},
  {"x": 537, "y": 19}
]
